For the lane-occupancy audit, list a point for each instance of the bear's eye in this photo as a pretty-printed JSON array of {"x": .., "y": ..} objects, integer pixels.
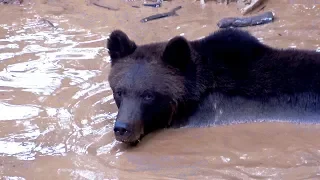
[
  {"x": 119, "y": 93},
  {"x": 148, "y": 97}
]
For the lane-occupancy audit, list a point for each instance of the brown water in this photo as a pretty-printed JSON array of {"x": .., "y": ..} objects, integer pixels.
[{"x": 57, "y": 110}]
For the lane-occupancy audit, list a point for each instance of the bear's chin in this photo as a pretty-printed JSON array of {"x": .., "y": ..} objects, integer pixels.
[
  {"x": 135, "y": 143},
  {"x": 130, "y": 142}
]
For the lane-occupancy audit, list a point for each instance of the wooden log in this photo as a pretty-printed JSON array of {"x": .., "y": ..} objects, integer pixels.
[{"x": 264, "y": 18}]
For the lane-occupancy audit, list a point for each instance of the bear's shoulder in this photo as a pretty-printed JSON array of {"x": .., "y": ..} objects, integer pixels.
[{"x": 231, "y": 46}]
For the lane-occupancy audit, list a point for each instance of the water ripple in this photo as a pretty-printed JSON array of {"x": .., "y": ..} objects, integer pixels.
[
  {"x": 16, "y": 112},
  {"x": 46, "y": 55}
]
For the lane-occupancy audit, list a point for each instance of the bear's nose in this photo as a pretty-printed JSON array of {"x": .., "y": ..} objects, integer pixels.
[{"x": 121, "y": 128}]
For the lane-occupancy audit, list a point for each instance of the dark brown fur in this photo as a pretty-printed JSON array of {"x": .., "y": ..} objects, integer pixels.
[{"x": 182, "y": 74}]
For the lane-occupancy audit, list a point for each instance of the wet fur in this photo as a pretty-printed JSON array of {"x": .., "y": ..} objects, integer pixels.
[
  {"x": 255, "y": 82},
  {"x": 229, "y": 69}
]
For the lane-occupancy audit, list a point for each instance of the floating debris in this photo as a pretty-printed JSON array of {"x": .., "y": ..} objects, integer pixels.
[
  {"x": 48, "y": 22},
  {"x": 251, "y": 6},
  {"x": 161, "y": 15},
  {"x": 156, "y": 5},
  {"x": 11, "y": 1},
  {"x": 105, "y": 6},
  {"x": 264, "y": 18}
]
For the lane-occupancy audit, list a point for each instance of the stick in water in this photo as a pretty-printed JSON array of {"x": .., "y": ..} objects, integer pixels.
[
  {"x": 106, "y": 6},
  {"x": 162, "y": 15},
  {"x": 156, "y": 5},
  {"x": 250, "y": 7},
  {"x": 264, "y": 18}
]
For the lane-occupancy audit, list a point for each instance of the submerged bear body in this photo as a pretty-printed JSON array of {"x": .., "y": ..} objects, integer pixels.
[{"x": 227, "y": 77}]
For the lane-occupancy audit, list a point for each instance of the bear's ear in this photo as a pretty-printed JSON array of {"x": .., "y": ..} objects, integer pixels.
[
  {"x": 120, "y": 45},
  {"x": 177, "y": 53}
]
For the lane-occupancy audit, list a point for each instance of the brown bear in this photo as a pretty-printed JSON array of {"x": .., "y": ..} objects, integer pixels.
[{"x": 214, "y": 80}]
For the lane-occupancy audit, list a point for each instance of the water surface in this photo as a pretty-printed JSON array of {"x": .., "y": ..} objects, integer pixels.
[{"x": 57, "y": 109}]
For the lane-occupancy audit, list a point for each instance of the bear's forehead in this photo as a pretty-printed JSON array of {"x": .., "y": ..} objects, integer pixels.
[
  {"x": 148, "y": 52},
  {"x": 139, "y": 75},
  {"x": 144, "y": 76}
]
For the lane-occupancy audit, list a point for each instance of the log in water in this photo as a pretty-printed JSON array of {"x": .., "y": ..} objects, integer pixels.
[
  {"x": 161, "y": 15},
  {"x": 264, "y": 18}
]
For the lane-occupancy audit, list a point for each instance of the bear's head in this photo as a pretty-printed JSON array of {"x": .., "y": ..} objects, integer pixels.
[{"x": 148, "y": 83}]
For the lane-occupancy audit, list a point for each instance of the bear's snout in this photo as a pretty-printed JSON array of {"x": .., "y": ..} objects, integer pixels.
[
  {"x": 125, "y": 132},
  {"x": 121, "y": 129}
]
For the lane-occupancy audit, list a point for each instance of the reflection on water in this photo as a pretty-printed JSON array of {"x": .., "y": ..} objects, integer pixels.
[
  {"x": 57, "y": 109},
  {"x": 23, "y": 112},
  {"x": 39, "y": 65}
]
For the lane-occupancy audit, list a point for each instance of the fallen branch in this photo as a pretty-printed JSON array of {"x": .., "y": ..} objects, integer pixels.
[
  {"x": 11, "y": 1},
  {"x": 157, "y": 4},
  {"x": 162, "y": 15},
  {"x": 264, "y": 18},
  {"x": 106, "y": 7},
  {"x": 48, "y": 22},
  {"x": 251, "y": 6}
]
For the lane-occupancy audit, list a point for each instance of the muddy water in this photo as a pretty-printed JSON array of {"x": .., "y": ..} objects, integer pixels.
[{"x": 57, "y": 111}]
